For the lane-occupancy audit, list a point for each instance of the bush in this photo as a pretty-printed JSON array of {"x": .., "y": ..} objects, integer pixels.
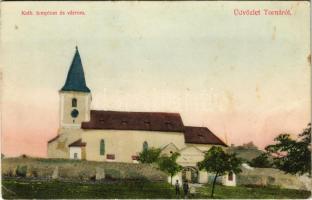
[
  {"x": 150, "y": 155},
  {"x": 262, "y": 161},
  {"x": 21, "y": 171}
]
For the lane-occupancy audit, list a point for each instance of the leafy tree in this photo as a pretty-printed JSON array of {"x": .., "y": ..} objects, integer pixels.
[
  {"x": 149, "y": 155},
  {"x": 219, "y": 162},
  {"x": 290, "y": 155},
  {"x": 261, "y": 161},
  {"x": 169, "y": 164}
]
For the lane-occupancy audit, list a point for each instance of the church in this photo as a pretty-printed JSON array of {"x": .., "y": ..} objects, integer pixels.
[{"x": 116, "y": 136}]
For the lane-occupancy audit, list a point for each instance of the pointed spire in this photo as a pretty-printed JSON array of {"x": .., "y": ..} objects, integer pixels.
[{"x": 75, "y": 80}]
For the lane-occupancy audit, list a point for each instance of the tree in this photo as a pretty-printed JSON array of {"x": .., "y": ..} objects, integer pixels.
[
  {"x": 169, "y": 164},
  {"x": 149, "y": 155},
  {"x": 220, "y": 163},
  {"x": 261, "y": 161},
  {"x": 290, "y": 155}
]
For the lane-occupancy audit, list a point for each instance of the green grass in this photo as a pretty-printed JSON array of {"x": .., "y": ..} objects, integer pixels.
[
  {"x": 54, "y": 189},
  {"x": 30, "y": 189},
  {"x": 242, "y": 192}
]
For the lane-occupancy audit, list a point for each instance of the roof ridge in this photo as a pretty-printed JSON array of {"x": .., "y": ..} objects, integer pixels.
[
  {"x": 117, "y": 111},
  {"x": 196, "y": 127}
]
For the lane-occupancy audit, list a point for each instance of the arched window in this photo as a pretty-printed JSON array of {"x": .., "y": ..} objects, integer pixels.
[
  {"x": 74, "y": 102},
  {"x": 102, "y": 147},
  {"x": 145, "y": 145}
]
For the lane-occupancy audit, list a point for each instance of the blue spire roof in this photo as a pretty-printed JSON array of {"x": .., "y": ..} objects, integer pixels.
[{"x": 75, "y": 80}]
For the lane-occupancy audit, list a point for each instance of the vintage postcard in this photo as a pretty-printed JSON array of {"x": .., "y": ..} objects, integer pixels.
[{"x": 155, "y": 99}]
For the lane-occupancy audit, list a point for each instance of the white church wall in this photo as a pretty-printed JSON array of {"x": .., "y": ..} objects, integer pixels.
[
  {"x": 227, "y": 181},
  {"x": 75, "y": 153},
  {"x": 124, "y": 144},
  {"x": 59, "y": 147},
  {"x": 202, "y": 177}
]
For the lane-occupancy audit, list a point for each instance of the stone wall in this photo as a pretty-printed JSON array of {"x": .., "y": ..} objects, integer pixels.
[
  {"x": 272, "y": 177},
  {"x": 79, "y": 169}
]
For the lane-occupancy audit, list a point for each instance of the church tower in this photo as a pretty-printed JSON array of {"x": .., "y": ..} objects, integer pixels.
[{"x": 75, "y": 96}]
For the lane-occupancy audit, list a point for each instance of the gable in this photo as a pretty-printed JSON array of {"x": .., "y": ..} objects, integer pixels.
[
  {"x": 169, "y": 148},
  {"x": 190, "y": 155},
  {"x": 191, "y": 150}
]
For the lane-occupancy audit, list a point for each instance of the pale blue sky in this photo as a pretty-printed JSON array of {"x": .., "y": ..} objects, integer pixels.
[{"x": 246, "y": 78}]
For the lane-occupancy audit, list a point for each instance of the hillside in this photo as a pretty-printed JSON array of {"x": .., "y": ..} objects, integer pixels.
[
  {"x": 273, "y": 177},
  {"x": 246, "y": 151}
]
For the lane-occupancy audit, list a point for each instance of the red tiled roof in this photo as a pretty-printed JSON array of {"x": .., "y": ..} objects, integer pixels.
[
  {"x": 150, "y": 121},
  {"x": 77, "y": 143},
  {"x": 53, "y": 138},
  {"x": 201, "y": 135}
]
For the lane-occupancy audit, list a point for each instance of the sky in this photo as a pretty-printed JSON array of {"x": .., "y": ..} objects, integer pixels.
[{"x": 246, "y": 78}]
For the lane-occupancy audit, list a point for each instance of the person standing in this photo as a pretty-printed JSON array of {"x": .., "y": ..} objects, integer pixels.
[
  {"x": 177, "y": 188},
  {"x": 185, "y": 188}
]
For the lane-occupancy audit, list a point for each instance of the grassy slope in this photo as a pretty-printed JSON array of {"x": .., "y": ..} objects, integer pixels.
[
  {"x": 67, "y": 190},
  {"x": 241, "y": 192},
  {"x": 245, "y": 153},
  {"x": 53, "y": 189}
]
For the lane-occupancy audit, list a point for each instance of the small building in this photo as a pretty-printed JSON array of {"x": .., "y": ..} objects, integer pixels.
[{"x": 116, "y": 136}]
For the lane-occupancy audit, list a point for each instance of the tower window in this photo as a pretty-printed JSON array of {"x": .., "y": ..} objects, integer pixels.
[
  {"x": 145, "y": 146},
  {"x": 74, "y": 102},
  {"x": 102, "y": 147}
]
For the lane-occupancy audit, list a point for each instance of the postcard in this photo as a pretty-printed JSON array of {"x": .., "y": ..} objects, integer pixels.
[{"x": 155, "y": 99}]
